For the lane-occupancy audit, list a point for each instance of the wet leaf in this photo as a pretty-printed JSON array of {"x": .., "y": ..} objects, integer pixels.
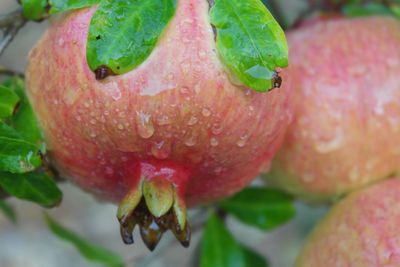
[
  {"x": 250, "y": 41},
  {"x": 8, "y": 102},
  {"x": 64, "y": 5},
  {"x": 90, "y": 251},
  {"x": 24, "y": 121},
  {"x": 219, "y": 248},
  {"x": 123, "y": 33},
  {"x": 263, "y": 208},
  {"x": 8, "y": 211},
  {"x": 18, "y": 156},
  {"x": 34, "y": 9},
  {"x": 38, "y": 188},
  {"x": 253, "y": 259}
]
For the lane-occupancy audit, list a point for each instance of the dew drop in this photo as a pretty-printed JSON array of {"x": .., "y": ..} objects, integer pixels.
[
  {"x": 216, "y": 129},
  {"x": 109, "y": 171},
  {"x": 120, "y": 126},
  {"x": 161, "y": 150},
  {"x": 93, "y": 134},
  {"x": 202, "y": 54},
  {"x": 242, "y": 141},
  {"x": 144, "y": 124},
  {"x": 78, "y": 118},
  {"x": 184, "y": 90},
  {"x": 93, "y": 121},
  {"x": 116, "y": 95},
  {"x": 124, "y": 158},
  {"x": 86, "y": 104},
  {"x": 214, "y": 142},
  {"x": 193, "y": 120},
  {"x": 206, "y": 112},
  {"x": 164, "y": 120},
  {"x": 191, "y": 141}
]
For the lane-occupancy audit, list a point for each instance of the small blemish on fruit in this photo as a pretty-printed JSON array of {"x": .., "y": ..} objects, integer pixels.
[{"x": 276, "y": 80}]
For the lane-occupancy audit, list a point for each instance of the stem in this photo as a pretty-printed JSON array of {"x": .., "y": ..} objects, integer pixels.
[
  {"x": 11, "y": 18},
  {"x": 11, "y": 73},
  {"x": 10, "y": 23}
]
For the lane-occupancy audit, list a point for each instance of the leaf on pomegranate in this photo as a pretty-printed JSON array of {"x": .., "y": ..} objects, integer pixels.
[
  {"x": 7, "y": 131},
  {"x": 24, "y": 121},
  {"x": 252, "y": 258},
  {"x": 250, "y": 42},
  {"x": 8, "y": 211},
  {"x": 58, "y": 6},
  {"x": 263, "y": 208},
  {"x": 219, "y": 248},
  {"x": 18, "y": 156},
  {"x": 38, "y": 188},
  {"x": 8, "y": 102},
  {"x": 90, "y": 251},
  {"x": 34, "y": 9},
  {"x": 366, "y": 9},
  {"x": 123, "y": 33}
]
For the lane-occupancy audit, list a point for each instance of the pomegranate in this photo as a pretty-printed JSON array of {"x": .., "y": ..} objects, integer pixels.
[
  {"x": 174, "y": 132},
  {"x": 361, "y": 230},
  {"x": 345, "y": 130}
]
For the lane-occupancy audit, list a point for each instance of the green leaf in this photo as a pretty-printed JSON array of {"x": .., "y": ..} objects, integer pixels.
[
  {"x": 366, "y": 9},
  {"x": 24, "y": 120},
  {"x": 8, "y": 102},
  {"x": 8, "y": 211},
  {"x": 64, "y": 5},
  {"x": 7, "y": 131},
  {"x": 18, "y": 156},
  {"x": 219, "y": 248},
  {"x": 123, "y": 33},
  {"x": 88, "y": 250},
  {"x": 34, "y": 9},
  {"x": 39, "y": 188},
  {"x": 253, "y": 259},
  {"x": 263, "y": 208},
  {"x": 250, "y": 41}
]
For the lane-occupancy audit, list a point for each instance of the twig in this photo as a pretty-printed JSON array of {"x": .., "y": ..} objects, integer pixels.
[
  {"x": 10, "y": 33},
  {"x": 11, "y": 18},
  {"x": 11, "y": 72}
]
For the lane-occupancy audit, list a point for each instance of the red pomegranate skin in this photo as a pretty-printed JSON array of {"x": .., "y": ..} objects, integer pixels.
[
  {"x": 362, "y": 230},
  {"x": 176, "y": 116},
  {"x": 345, "y": 132}
]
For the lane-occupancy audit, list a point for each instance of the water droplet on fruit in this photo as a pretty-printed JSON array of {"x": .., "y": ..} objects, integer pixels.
[
  {"x": 116, "y": 95},
  {"x": 242, "y": 141},
  {"x": 170, "y": 76},
  {"x": 214, "y": 142},
  {"x": 216, "y": 129},
  {"x": 78, "y": 118},
  {"x": 93, "y": 121},
  {"x": 124, "y": 158},
  {"x": 93, "y": 134},
  {"x": 120, "y": 126},
  {"x": 106, "y": 113},
  {"x": 161, "y": 150},
  {"x": 86, "y": 104},
  {"x": 193, "y": 120},
  {"x": 144, "y": 124},
  {"x": 109, "y": 171},
  {"x": 206, "y": 112},
  {"x": 164, "y": 120},
  {"x": 218, "y": 170},
  {"x": 202, "y": 54},
  {"x": 392, "y": 62},
  {"x": 184, "y": 90},
  {"x": 191, "y": 141}
]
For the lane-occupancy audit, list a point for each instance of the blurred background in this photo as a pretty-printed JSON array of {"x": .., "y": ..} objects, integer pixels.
[{"x": 29, "y": 243}]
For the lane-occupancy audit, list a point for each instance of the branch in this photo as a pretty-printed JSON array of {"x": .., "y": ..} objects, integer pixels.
[
  {"x": 11, "y": 18},
  {"x": 11, "y": 72},
  {"x": 10, "y": 23}
]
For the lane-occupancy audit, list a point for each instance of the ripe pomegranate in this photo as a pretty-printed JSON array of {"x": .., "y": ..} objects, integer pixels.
[
  {"x": 174, "y": 132},
  {"x": 345, "y": 130},
  {"x": 361, "y": 230}
]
